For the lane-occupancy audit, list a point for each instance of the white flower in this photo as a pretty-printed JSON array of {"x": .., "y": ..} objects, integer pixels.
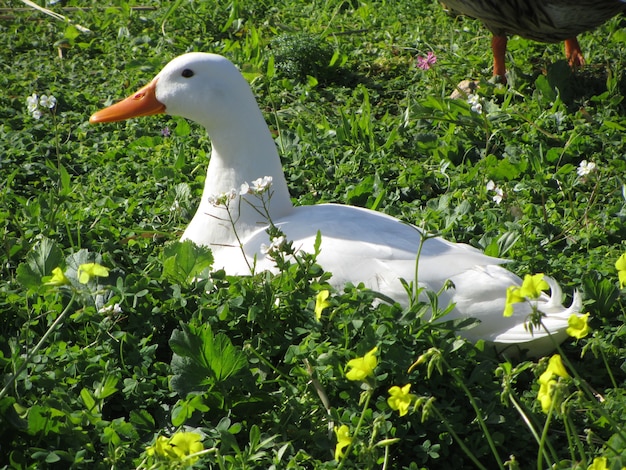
[
  {"x": 586, "y": 168},
  {"x": 222, "y": 199},
  {"x": 36, "y": 114},
  {"x": 115, "y": 309},
  {"x": 244, "y": 189},
  {"x": 260, "y": 185},
  {"x": 474, "y": 102},
  {"x": 32, "y": 102},
  {"x": 497, "y": 198},
  {"x": 276, "y": 244},
  {"x": 48, "y": 101}
]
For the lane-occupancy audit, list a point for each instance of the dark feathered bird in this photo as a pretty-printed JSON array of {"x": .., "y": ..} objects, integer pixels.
[{"x": 540, "y": 20}]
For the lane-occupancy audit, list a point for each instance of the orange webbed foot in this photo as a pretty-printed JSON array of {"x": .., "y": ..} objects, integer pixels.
[
  {"x": 498, "y": 48},
  {"x": 573, "y": 53}
]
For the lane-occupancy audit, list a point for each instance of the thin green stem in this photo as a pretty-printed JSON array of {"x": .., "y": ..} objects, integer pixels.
[
  {"x": 57, "y": 143},
  {"x": 608, "y": 369},
  {"x": 358, "y": 427},
  {"x": 479, "y": 417},
  {"x": 544, "y": 436},
  {"x": 589, "y": 392},
  {"x": 458, "y": 440},
  {"x": 532, "y": 429},
  {"x": 249, "y": 347},
  {"x": 415, "y": 290},
  {"x": 386, "y": 458},
  {"x": 37, "y": 347},
  {"x": 239, "y": 242},
  {"x": 573, "y": 439}
]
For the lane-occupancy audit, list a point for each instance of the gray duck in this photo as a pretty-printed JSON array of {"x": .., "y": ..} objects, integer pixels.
[{"x": 539, "y": 20}]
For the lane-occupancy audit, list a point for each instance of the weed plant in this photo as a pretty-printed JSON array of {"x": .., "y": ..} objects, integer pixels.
[{"x": 121, "y": 348}]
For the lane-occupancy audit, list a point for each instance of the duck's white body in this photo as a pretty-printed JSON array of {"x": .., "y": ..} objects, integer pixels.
[{"x": 358, "y": 245}]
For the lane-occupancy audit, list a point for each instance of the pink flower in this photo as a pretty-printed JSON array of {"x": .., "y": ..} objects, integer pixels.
[{"x": 425, "y": 63}]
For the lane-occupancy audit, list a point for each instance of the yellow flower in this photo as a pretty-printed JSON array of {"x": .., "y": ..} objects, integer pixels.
[
  {"x": 512, "y": 297},
  {"x": 343, "y": 440},
  {"x": 185, "y": 444},
  {"x": 362, "y": 367},
  {"x": 620, "y": 265},
  {"x": 58, "y": 278},
  {"x": 88, "y": 270},
  {"x": 533, "y": 285},
  {"x": 178, "y": 447},
  {"x": 555, "y": 365},
  {"x": 161, "y": 448},
  {"x": 545, "y": 393},
  {"x": 577, "y": 327},
  {"x": 321, "y": 303},
  {"x": 400, "y": 398},
  {"x": 599, "y": 463},
  {"x": 547, "y": 383}
]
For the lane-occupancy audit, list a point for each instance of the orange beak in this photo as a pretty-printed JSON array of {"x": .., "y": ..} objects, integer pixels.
[{"x": 141, "y": 103}]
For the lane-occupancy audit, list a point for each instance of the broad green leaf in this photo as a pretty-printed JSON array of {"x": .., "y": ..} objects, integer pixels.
[
  {"x": 88, "y": 399},
  {"x": 107, "y": 388},
  {"x": 184, "y": 261},
  {"x": 603, "y": 291},
  {"x": 183, "y": 409},
  {"x": 225, "y": 360},
  {"x": 40, "y": 261},
  {"x": 506, "y": 242},
  {"x": 66, "y": 181},
  {"x": 544, "y": 91},
  {"x": 142, "y": 420},
  {"x": 43, "y": 420},
  {"x": 202, "y": 359},
  {"x": 181, "y": 412},
  {"x": 182, "y": 128},
  {"x": 52, "y": 457}
]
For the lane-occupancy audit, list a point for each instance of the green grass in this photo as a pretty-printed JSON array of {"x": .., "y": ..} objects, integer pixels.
[{"x": 241, "y": 361}]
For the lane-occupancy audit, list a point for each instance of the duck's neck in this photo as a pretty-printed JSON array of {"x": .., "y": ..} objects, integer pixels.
[{"x": 240, "y": 153}]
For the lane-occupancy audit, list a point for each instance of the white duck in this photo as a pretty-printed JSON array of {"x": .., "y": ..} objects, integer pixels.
[{"x": 358, "y": 245}]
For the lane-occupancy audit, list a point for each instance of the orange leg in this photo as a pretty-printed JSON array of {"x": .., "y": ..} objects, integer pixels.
[
  {"x": 573, "y": 53},
  {"x": 498, "y": 47}
]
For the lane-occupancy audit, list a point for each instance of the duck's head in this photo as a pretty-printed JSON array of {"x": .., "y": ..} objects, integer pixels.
[{"x": 197, "y": 86}]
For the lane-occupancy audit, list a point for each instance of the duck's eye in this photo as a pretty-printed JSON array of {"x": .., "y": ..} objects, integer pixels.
[{"x": 187, "y": 73}]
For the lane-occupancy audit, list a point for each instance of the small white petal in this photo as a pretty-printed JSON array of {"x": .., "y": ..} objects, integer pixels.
[
  {"x": 585, "y": 168},
  {"x": 498, "y": 196},
  {"x": 48, "y": 101},
  {"x": 32, "y": 101}
]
